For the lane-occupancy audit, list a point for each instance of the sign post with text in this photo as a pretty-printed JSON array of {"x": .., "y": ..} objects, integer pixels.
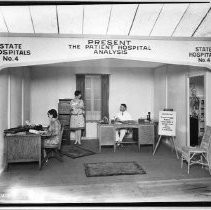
[{"x": 167, "y": 127}]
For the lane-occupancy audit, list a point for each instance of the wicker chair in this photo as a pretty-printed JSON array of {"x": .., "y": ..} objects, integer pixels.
[
  {"x": 53, "y": 151},
  {"x": 199, "y": 154}
]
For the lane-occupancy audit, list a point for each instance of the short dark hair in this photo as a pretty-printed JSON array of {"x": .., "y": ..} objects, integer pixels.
[
  {"x": 77, "y": 93},
  {"x": 53, "y": 112},
  {"x": 124, "y": 105}
]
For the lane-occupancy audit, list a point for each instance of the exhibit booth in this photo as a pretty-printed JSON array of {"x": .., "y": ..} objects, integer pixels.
[{"x": 148, "y": 74}]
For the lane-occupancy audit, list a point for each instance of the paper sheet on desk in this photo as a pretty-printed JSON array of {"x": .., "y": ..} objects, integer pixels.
[{"x": 34, "y": 131}]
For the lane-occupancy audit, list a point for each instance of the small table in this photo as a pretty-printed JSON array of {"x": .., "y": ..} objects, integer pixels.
[{"x": 22, "y": 148}]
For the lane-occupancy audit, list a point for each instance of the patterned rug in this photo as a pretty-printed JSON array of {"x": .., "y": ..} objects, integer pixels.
[
  {"x": 113, "y": 169},
  {"x": 74, "y": 151}
]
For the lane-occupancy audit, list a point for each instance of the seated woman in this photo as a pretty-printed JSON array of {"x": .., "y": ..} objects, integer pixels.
[{"x": 52, "y": 134}]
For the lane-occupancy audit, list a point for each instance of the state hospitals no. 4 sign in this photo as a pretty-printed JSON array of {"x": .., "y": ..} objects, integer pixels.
[
  {"x": 23, "y": 51},
  {"x": 167, "y": 123}
]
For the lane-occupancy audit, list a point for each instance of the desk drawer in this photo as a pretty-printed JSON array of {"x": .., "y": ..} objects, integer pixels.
[
  {"x": 106, "y": 135},
  {"x": 146, "y": 134}
]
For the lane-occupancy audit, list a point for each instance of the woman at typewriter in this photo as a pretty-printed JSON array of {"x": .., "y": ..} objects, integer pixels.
[{"x": 52, "y": 134}]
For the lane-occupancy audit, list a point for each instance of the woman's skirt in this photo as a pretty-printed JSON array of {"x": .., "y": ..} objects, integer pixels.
[
  {"x": 77, "y": 122},
  {"x": 48, "y": 141}
]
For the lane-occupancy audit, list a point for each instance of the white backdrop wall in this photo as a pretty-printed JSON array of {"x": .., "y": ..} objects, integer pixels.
[
  {"x": 132, "y": 86},
  {"x": 176, "y": 94},
  {"x": 177, "y": 99},
  {"x": 27, "y": 93},
  {"x": 159, "y": 90},
  {"x": 19, "y": 95},
  {"x": 48, "y": 85},
  {"x": 16, "y": 96},
  {"x": 208, "y": 97},
  {"x": 12, "y": 115},
  {"x": 3, "y": 111}
]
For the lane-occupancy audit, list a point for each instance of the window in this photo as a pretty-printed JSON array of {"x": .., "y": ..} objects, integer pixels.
[
  {"x": 93, "y": 98},
  {"x": 95, "y": 93}
]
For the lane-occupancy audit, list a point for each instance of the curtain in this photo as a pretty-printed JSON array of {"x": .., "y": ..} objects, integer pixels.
[
  {"x": 80, "y": 85},
  {"x": 105, "y": 96}
]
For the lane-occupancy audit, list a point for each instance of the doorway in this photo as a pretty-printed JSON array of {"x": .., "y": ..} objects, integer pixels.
[{"x": 196, "y": 109}]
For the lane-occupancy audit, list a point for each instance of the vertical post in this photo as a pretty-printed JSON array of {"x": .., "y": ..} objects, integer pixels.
[
  {"x": 139, "y": 140},
  {"x": 205, "y": 98},
  {"x": 40, "y": 151},
  {"x": 188, "y": 112},
  {"x": 114, "y": 137},
  {"x": 22, "y": 101},
  {"x": 9, "y": 101},
  {"x": 99, "y": 136},
  {"x": 166, "y": 81}
]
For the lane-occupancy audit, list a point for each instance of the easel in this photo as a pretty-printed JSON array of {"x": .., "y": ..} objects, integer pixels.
[
  {"x": 173, "y": 141},
  {"x": 167, "y": 127}
]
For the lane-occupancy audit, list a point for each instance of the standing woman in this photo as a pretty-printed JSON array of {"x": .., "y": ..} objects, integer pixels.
[{"x": 77, "y": 120}]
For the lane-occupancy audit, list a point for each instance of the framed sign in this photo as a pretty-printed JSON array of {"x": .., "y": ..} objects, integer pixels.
[{"x": 167, "y": 123}]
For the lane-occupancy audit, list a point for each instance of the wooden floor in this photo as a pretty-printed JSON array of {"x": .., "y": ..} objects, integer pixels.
[{"x": 66, "y": 182}]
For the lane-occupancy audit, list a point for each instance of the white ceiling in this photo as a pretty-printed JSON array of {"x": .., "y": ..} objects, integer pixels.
[
  {"x": 167, "y": 20},
  {"x": 163, "y": 20}
]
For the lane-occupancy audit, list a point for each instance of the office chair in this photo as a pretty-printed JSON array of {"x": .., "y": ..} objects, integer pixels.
[{"x": 53, "y": 151}]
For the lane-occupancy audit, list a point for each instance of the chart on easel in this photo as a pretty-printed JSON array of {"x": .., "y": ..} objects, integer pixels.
[{"x": 167, "y": 128}]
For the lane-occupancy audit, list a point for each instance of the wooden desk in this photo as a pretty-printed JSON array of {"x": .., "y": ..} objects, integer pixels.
[
  {"x": 22, "y": 148},
  {"x": 107, "y": 134}
]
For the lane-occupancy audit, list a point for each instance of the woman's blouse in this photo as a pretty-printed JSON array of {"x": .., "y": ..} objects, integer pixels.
[
  {"x": 54, "y": 128},
  {"x": 77, "y": 107}
]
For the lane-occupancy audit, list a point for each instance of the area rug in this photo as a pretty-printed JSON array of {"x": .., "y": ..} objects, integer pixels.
[
  {"x": 74, "y": 151},
  {"x": 113, "y": 169}
]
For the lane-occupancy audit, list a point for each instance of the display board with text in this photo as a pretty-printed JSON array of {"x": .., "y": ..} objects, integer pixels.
[{"x": 167, "y": 123}]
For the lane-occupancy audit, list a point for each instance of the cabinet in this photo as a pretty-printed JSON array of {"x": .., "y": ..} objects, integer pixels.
[
  {"x": 146, "y": 135},
  {"x": 64, "y": 117}
]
